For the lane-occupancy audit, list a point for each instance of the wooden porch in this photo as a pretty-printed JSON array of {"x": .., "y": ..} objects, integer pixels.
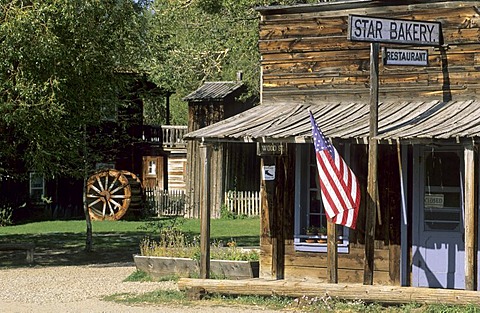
[{"x": 367, "y": 293}]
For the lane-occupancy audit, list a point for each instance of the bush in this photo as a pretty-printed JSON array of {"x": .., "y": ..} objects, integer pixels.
[
  {"x": 6, "y": 216},
  {"x": 174, "y": 243}
]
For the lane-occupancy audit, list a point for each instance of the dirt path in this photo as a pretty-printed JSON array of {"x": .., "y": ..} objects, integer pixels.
[{"x": 80, "y": 289}]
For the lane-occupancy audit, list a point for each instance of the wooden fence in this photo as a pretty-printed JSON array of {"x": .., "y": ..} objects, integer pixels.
[
  {"x": 172, "y": 202},
  {"x": 243, "y": 202},
  {"x": 165, "y": 202}
]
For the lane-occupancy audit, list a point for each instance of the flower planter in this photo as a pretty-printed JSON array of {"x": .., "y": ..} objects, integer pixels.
[{"x": 158, "y": 267}]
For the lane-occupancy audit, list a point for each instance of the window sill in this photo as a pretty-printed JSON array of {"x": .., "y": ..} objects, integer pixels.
[{"x": 301, "y": 245}]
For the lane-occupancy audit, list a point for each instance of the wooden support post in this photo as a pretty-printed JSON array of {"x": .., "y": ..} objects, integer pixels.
[
  {"x": 272, "y": 224},
  {"x": 332, "y": 254},
  {"x": 279, "y": 239},
  {"x": 205, "y": 213},
  {"x": 470, "y": 218},
  {"x": 370, "y": 216}
]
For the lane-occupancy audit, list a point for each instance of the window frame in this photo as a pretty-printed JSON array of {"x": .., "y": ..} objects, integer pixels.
[
  {"x": 152, "y": 167},
  {"x": 302, "y": 202},
  {"x": 32, "y": 188}
]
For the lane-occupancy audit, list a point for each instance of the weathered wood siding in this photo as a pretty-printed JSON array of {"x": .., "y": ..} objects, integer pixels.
[
  {"x": 305, "y": 265},
  {"x": 200, "y": 115},
  {"x": 176, "y": 171},
  {"x": 306, "y": 57}
]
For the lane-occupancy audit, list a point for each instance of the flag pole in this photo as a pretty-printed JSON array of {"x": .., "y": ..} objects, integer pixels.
[{"x": 371, "y": 208}]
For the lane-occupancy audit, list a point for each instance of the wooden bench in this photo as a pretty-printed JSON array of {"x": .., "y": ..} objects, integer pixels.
[{"x": 29, "y": 247}]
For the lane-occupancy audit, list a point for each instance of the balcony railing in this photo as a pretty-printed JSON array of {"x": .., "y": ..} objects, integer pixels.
[{"x": 167, "y": 135}]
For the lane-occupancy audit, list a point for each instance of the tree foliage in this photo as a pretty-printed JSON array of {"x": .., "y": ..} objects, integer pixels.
[
  {"x": 193, "y": 41},
  {"x": 58, "y": 65},
  {"x": 60, "y": 59}
]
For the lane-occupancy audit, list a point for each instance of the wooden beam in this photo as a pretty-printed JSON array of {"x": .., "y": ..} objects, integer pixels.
[
  {"x": 272, "y": 208},
  {"x": 470, "y": 218},
  {"x": 205, "y": 213},
  {"x": 372, "y": 168},
  {"x": 279, "y": 208},
  {"x": 332, "y": 253},
  {"x": 367, "y": 293}
]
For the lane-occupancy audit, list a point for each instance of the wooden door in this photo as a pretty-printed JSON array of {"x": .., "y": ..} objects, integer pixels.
[{"x": 153, "y": 172}]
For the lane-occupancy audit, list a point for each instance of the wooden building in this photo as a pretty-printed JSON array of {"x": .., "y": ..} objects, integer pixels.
[
  {"x": 121, "y": 141},
  {"x": 423, "y": 229}
]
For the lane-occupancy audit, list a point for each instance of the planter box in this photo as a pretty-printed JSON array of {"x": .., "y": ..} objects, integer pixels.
[{"x": 158, "y": 267}]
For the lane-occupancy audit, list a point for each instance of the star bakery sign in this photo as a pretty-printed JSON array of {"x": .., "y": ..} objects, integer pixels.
[{"x": 372, "y": 29}]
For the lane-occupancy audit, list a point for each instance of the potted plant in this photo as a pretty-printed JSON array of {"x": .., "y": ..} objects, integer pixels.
[
  {"x": 311, "y": 231},
  {"x": 322, "y": 231}
]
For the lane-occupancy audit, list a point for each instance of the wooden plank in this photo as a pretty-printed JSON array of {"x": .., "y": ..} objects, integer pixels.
[
  {"x": 420, "y": 11},
  {"x": 371, "y": 214},
  {"x": 353, "y": 260},
  {"x": 470, "y": 219},
  {"x": 367, "y": 293},
  {"x": 309, "y": 26},
  {"x": 332, "y": 253},
  {"x": 278, "y": 260},
  {"x": 205, "y": 214},
  {"x": 26, "y": 246},
  {"x": 344, "y": 275}
]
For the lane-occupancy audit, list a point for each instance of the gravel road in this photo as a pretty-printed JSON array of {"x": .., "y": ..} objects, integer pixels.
[{"x": 80, "y": 289}]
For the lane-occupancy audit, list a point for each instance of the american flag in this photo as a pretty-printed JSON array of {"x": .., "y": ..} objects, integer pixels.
[{"x": 340, "y": 189}]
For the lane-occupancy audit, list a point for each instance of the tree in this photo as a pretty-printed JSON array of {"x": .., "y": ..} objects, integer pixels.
[
  {"x": 59, "y": 76},
  {"x": 193, "y": 41},
  {"x": 58, "y": 72}
]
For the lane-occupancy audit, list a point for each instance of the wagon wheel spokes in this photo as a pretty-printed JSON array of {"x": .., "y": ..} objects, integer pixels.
[{"x": 114, "y": 181}]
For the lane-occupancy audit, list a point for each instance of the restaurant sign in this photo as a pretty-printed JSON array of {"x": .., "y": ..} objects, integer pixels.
[
  {"x": 373, "y": 29},
  {"x": 405, "y": 57}
]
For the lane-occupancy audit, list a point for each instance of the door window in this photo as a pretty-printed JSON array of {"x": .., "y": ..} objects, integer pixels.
[{"x": 442, "y": 198}]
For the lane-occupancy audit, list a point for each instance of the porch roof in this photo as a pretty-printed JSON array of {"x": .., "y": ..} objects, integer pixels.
[{"x": 408, "y": 121}]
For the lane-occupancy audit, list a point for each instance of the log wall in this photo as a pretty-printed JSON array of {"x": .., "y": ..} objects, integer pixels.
[{"x": 306, "y": 57}]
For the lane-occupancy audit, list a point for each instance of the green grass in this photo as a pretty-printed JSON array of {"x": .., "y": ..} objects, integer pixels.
[
  {"x": 244, "y": 231},
  {"x": 71, "y": 227},
  {"x": 170, "y": 297},
  {"x": 303, "y": 304},
  {"x": 63, "y": 242}
]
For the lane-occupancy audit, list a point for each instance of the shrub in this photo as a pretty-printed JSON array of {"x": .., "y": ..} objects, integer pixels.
[
  {"x": 5, "y": 216},
  {"x": 174, "y": 243}
]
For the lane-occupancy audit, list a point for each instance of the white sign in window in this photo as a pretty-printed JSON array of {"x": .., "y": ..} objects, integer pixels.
[{"x": 434, "y": 200}]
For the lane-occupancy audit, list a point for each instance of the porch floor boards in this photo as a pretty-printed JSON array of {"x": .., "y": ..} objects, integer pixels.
[{"x": 373, "y": 293}]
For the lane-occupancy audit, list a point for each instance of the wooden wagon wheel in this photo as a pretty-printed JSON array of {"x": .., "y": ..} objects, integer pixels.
[{"x": 109, "y": 194}]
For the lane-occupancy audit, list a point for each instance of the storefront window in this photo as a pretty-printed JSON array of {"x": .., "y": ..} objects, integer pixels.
[{"x": 310, "y": 218}]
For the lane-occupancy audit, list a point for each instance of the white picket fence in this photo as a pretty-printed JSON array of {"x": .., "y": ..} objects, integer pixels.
[
  {"x": 243, "y": 202},
  {"x": 165, "y": 202},
  {"x": 172, "y": 202}
]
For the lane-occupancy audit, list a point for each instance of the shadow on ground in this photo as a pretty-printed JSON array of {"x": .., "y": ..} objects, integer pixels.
[{"x": 63, "y": 249}]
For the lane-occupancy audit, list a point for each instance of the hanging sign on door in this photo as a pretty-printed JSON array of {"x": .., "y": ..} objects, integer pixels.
[{"x": 434, "y": 200}]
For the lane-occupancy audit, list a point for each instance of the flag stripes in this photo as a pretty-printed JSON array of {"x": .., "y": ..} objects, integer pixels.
[{"x": 339, "y": 186}]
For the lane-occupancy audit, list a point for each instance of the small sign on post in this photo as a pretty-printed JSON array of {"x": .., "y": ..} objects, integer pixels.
[
  {"x": 405, "y": 57},
  {"x": 271, "y": 148},
  {"x": 268, "y": 172}
]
